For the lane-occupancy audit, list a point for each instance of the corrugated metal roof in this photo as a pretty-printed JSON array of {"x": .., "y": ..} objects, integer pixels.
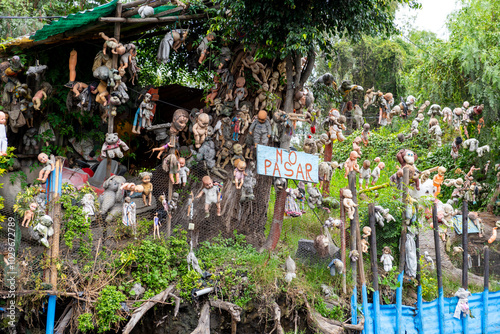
[{"x": 74, "y": 21}]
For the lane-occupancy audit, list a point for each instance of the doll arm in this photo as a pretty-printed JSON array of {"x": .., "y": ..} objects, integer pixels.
[
  {"x": 123, "y": 145},
  {"x": 200, "y": 194}
]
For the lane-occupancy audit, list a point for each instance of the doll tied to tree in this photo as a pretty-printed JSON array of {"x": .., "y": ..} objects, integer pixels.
[
  {"x": 239, "y": 174},
  {"x": 211, "y": 192},
  {"x": 147, "y": 187}
]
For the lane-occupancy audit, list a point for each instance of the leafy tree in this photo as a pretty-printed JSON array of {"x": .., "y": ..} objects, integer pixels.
[{"x": 294, "y": 29}]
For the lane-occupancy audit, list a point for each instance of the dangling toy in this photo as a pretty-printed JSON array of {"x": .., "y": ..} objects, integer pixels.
[
  {"x": 200, "y": 129},
  {"x": 438, "y": 179},
  {"x": 48, "y": 168},
  {"x": 147, "y": 186},
  {"x": 349, "y": 204},
  {"x": 387, "y": 259},
  {"x": 29, "y": 214},
  {"x": 239, "y": 174},
  {"x": 351, "y": 164},
  {"x": 183, "y": 171},
  {"x": 212, "y": 195}
]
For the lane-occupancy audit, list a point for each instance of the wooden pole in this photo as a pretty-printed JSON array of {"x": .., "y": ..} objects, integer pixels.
[
  {"x": 343, "y": 242},
  {"x": 374, "y": 264},
  {"x": 352, "y": 186},
  {"x": 111, "y": 118},
  {"x": 327, "y": 157},
  {"x": 402, "y": 241},
  {"x": 465, "y": 234},
  {"x": 152, "y": 19},
  {"x": 55, "y": 213},
  {"x": 438, "y": 269}
]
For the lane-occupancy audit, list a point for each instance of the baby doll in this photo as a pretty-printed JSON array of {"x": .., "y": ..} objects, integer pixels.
[
  {"x": 161, "y": 149},
  {"x": 172, "y": 165},
  {"x": 116, "y": 47},
  {"x": 183, "y": 171},
  {"x": 365, "y": 133},
  {"x": 367, "y": 231},
  {"x": 376, "y": 172},
  {"x": 438, "y": 179},
  {"x": 239, "y": 174},
  {"x": 148, "y": 187},
  {"x": 29, "y": 214},
  {"x": 211, "y": 191},
  {"x": 3, "y": 134},
  {"x": 351, "y": 164},
  {"x": 200, "y": 129},
  {"x": 387, "y": 259},
  {"x": 203, "y": 47},
  {"x": 132, "y": 188},
  {"x": 102, "y": 92},
  {"x": 240, "y": 92},
  {"x": 349, "y": 204},
  {"x": 355, "y": 145},
  {"x": 39, "y": 97},
  {"x": 364, "y": 173},
  {"x": 47, "y": 169}
]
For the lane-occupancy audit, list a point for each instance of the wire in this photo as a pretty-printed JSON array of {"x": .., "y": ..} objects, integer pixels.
[{"x": 29, "y": 17}]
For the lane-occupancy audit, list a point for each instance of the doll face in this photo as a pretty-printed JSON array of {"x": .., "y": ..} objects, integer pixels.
[
  {"x": 146, "y": 179},
  {"x": 353, "y": 155},
  {"x": 182, "y": 162},
  {"x": 180, "y": 119},
  {"x": 242, "y": 165},
  {"x": 240, "y": 82},
  {"x": 33, "y": 206},
  {"x": 262, "y": 116},
  {"x": 409, "y": 157},
  {"x": 43, "y": 158},
  {"x": 381, "y": 165},
  {"x": 441, "y": 171},
  {"x": 2, "y": 118},
  {"x": 237, "y": 149},
  {"x": 366, "y": 164},
  {"x": 203, "y": 120},
  {"x": 207, "y": 182}
]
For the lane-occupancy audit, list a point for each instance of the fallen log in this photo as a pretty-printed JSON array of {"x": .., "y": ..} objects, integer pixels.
[
  {"x": 277, "y": 319},
  {"x": 204, "y": 321},
  {"x": 233, "y": 309},
  {"x": 139, "y": 313}
]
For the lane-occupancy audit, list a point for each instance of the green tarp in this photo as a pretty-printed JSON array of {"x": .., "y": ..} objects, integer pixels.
[{"x": 73, "y": 21}]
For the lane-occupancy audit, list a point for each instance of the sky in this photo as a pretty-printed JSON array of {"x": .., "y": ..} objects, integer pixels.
[{"x": 431, "y": 17}]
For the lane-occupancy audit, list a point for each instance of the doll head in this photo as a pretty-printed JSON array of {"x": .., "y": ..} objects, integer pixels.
[
  {"x": 262, "y": 116},
  {"x": 146, "y": 177},
  {"x": 207, "y": 182},
  {"x": 240, "y": 82},
  {"x": 3, "y": 119},
  {"x": 387, "y": 250},
  {"x": 203, "y": 120},
  {"x": 161, "y": 198},
  {"x": 138, "y": 188},
  {"x": 441, "y": 170},
  {"x": 347, "y": 193},
  {"x": 238, "y": 149},
  {"x": 419, "y": 117},
  {"x": 366, "y": 127},
  {"x": 180, "y": 120},
  {"x": 33, "y": 206},
  {"x": 367, "y": 231},
  {"x": 466, "y": 104},
  {"x": 342, "y": 119},
  {"x": 357, "y": 140},
  {"x": 127, "y": 199},
  {"x": 182, "y": 162},
  {"x": 147, "y": 97},
  {"x": 353, "y": 155},
  {"x": 388, "y": 96},
  {"x": 366, "y": 164},
  {"x": 457, "y": 111},
  {"x": 43, "y": 158},
  {"x": 399, "y": 173},
  {"x": 241, "y": 165},
  {"x": 376, "y": 160},
  {"x": 381, "y": 165}
]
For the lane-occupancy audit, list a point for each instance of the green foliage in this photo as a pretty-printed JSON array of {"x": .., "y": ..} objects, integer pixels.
[
  {"x": 428, "y": 281},
  {"x": 108, "y": 308},
  {"x": 390, "y": 281},
  {"x": 335, "y": 312},
  {"x": 143, "y": 228},
  {"x": 76, "y": 225},
  {"x": 85, "y": 322}
]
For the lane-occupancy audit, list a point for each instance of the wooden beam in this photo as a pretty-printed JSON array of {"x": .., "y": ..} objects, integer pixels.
[
  {"x": 170, "y": 11},
  {"x": 153, "y": 19},
  {"x": 133, "y": 4}
]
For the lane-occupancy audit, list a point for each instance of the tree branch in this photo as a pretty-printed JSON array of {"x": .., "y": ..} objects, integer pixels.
[
  {"x": 306, "y": 73},
  {"x": 298, "y": 69}
]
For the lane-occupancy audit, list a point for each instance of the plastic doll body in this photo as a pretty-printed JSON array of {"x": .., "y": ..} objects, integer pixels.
[
  {"x": 183, "y": 171},
  {"x": 240, "y": 92},
  {"x": 211, "y": 192},
  {"x": 376, "y": 173},
  {"x": 148, "y": 188},
  {"x": 3, "y": 134},
  {"x": 161, "y": 149},
  {"x": 438, "y": 180},
  {"x": 239, "y": 174},
  {"x": 364, "y": 174},
  {"x": 256, "y": 68},
  {"x": 236, "y": 126},
  {"x": 387, "y": 259},
  {"x": 156, "y": 226},
  {"x": 102, "y": 93},
  {"x": 349, "y": 204},
  {"x": 78, "y": 87},
  {"x": 261, "y": 129},
  {"x": 351, "y": 164},
  {"x": 110, "y": 42},
  {"x": 203, "y": 47},
  {"x": 29, "y": 214},
  {"x": 365, "y": 133},
  {"x": 47, "y": 169},
  {"x": 39, "y": 97},
  {"x": 200, "y": 129}
]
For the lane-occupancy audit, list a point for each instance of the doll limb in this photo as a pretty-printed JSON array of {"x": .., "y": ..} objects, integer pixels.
[
  {"x": 144, "y": 199},
  {"x": 149, "y": 199},
  {"x": 218, "y": 209},
  {"x": 178, "y": 178}
]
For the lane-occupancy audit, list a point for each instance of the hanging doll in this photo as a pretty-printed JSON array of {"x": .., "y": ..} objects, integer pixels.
[
  {"x": 387, "y": 259},
  {"x": 364, "y": 173},
  {"x": 291, "y": 207},
  {"x": 183, "y": 171},
  {"x": 239, "y": 174},
  {"x": 211, "y": 191},
  {"x": 438, "y": 179},
  {"x": 3, "y": 134},
  {"x": 376, "y": 172},
  {"x": 365, "y": 133},
  {"x": 171, "y": 164},
  {"x": 156, "y": 226},
  {"x": 351, "y": 164},
  {"x": 240, "y": 92},
  {"x": 29, "y": 214},
  {"x": 463, "y": 303},
  {"x": 203, "y": 47},
  {"x": 129, "y": 215},
  {"x": 349, "y": 204},
  {"x": 148, "y": 187}
]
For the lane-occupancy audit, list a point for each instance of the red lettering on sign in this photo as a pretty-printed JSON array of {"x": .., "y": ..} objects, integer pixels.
[
  {"x": 266, "y": 162},
  {"x": 288, "y": 170},
  {"x": 276, "y": 168},
  {"x": 308, "y": 169},
  {"x": 299, "y": 171},
  {"x": 279, "y": 153},
  {"x": 289, "y": 155}
]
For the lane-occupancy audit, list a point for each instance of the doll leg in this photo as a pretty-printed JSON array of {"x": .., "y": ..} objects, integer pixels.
[
  {"x": 178, "y": 178},
  {"x": 72, "y": 65},
  {"x": 218, "y": 209},
  {"x": 207, "y": 210},
  {"x": 172, "y": 177},
  {"x": 144, "y": 199},
  {"x": 149, "y": 199}
]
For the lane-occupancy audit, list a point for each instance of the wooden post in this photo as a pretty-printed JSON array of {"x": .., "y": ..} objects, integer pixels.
[
  {"x": 55, "y": 213},
  {"x": 327, "y": 158},
  {"x": 374, "y": 264},
  {"x": 343, "y": 241},
  {"x": 465, "y": 234},
  {"x": 484, "y": 316},
  {"x": 438, "y": 269},
  {"x": 402, "y": 241},
  {"x": 352, "y": 187},
  {"x": 111, "y": 118}
]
